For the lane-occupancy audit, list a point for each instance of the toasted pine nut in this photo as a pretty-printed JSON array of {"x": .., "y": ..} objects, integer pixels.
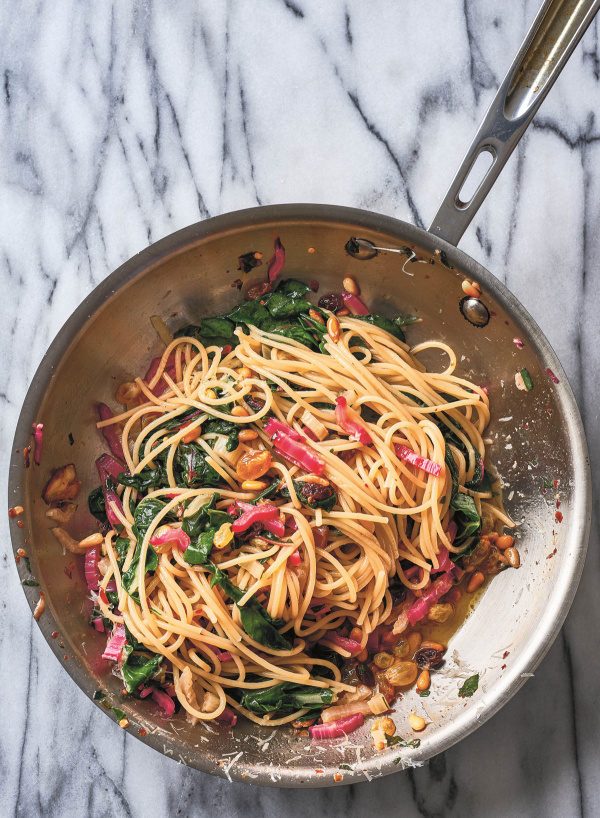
[
  {"x": 93, "y": 539},
  {"x": 356, "y": 634},
  {"x": 124, "y": 723},
  {"x": 416, "y": 722},
  {"x": 247, "y": 434},
  {"x": 475, "y": 581},
  {"x": 193, "y": 434},
  {"x": 21, "y": 552},
  {"x": 211, "y": 394},
  {"x": 239, "y": 412},
  {"x": 243, "y": 372},
  {"x": 127, "y": 393},
  {"x": 40, "y": 607},
  {"x": 492, "y": 536},
  {"x": 424, "y": 680},
  {"x": 414, "y": 642},
  {"x": 254, "y": 485},
  {"x": 343, "y": 312},
  {"x": 434, "y": 646},
  {"x": 16, "y": 511},
  {"x": 333, "y": 328},
  {"x": 316, "y": 316},
  {"x": 363, "y": 655},
  {"x": 471, "y": 288},
  {"x": 351, "y": 286},
  {"x": 506, "y": 541},
  {"x": 513, "y": 557}
]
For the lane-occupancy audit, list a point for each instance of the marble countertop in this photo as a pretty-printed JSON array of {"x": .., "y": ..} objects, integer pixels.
[{"x": 124, "y": 121}]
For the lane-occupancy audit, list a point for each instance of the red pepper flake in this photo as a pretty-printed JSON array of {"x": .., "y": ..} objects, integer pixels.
[
  {"x": 68, "y": 572},
  {"x": 558, "y": 504},
  {"x": 558, "y": 516},
  {"x": 505, "y": 654},
  {"x": 503, "y": 667},
  {"x": 17, "y": 559},
  {"x": 55, "y": 634},
  {"x": 61, "y": 644},
  {"x": 314, "y": 285},
  {"x": 20, "y": 523},
  {"x": 518, "y": 343},
  {"x": 551, "y": 375},
  {"x": 16, "y": 451},
  {"x": 142, "y": 732},
  {"x": 26, "y": 452},
  {"x": 526, "y": 426},
  {"x": 103, "y": 596},
  {"x": 226, "y": 349},
  {"x": 427, "y": 276},
  {"x": 493, "y": 314},
  {"x": 549, "y": 557},
  {"x": 555, "y": 484},
  {"x": 319, "y": 772},
  {"x": 66, "y": 657},
  {"x": 338, "y": 777},
  {"x": 14, "y": 512}
]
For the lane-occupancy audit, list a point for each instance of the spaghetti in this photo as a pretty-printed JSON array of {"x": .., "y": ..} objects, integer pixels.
[{"x": 283, "y": 509}]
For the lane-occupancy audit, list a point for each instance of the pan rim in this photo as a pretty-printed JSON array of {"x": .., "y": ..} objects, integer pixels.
[{"x": 235, "y": 222}]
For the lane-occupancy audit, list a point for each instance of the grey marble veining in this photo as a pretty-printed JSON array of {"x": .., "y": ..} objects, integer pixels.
[{"x": 121, "y": 122}]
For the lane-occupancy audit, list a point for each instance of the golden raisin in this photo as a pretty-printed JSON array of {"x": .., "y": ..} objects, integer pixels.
[
  {"x": 402, "y": 674},
  {"x": 253, "y": 464}
]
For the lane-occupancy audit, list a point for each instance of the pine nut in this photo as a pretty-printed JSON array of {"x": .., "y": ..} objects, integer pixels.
[
  {"x": 416, "y": 722},
  {"x": 124, "y": 723},
  {"x": 434, "y": 646},
  {"x": 424, "y": 680},
  {"x": 243, "y": 372},
  {"x": 93, "y": 539},
  {"x": 342, "y": 313},
  {"x": 254, "y": 485},
  {"x": 513, "y": 557},
  {"x": 351, "y": 286},
  {"x": 506, "y": 541},
  {"x": 193, "y": 434},
  {"x": 363, "y": 655},
  {"x": 223, "y": 536},
  {"x": 471, "y": 288},
  {"x": 210, "y": 394},
  {"x": 239, "y": 412},
  {"x": 316, "y": 316},
  {"x": 356, "y": 634},
  {"x": 493, "y": 536},
  {"x": 127, "y": 393},
  {"x": 17, "y": 511},
  {"x": 333, "y": 328},
  {"x": 475, "y": 581},
  {"x": 247, "y": 434}
]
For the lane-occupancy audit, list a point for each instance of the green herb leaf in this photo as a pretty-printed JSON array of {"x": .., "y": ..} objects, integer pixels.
[
  {"x": 99, "y": 695},
  {"x": 383, "y": 323},
  {"x": 424, "y": 693},
  {"x": 546, "y": 483},
  {"x": 527, "y": 380},
  {"x": 119, "y": 714},
  {"x": 469, "y": 687},
  {"x": 30, "y": 583},
  {"x": 345, "y": 767}
]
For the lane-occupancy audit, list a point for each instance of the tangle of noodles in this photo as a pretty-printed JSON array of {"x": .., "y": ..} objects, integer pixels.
[{"x": 389, "y": 515}]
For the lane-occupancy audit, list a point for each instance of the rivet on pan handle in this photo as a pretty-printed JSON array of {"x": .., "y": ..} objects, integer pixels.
[{"x": 555, "y": 32}]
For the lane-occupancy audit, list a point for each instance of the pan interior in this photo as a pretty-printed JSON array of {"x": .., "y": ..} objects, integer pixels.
[{"x": 536, "y": 438}]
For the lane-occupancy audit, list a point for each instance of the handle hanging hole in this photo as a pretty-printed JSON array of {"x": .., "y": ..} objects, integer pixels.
[{"x": 475, "y": 176}]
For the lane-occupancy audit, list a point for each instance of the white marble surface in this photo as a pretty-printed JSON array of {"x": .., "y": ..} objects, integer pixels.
[{"x": 121, "y": 122}]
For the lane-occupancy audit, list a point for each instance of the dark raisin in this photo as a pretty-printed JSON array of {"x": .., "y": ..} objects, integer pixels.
[
  {"x": 313, "y": 492},
  {"x": 332, "y": 302},
  {"x": 365, "y": 674},
  {"x": 429, "y": 658},
  {"x": 314, "y": 285},
  {"x": 346, "y": 455},
  {"x": 248, "y": 261},
  {"x": 397, "y": 592},
  {"x": 257, "y": 291},
  {"x": 321, "y": 536}
]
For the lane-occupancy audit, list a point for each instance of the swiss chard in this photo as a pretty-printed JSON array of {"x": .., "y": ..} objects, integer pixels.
[
  {"x": 286, "y": 697},
  {"x": 138, "y": 668},
  {"x": 384, "y": 323},
  {"x": 224, "y": 427},
  {"x": 145, "y": 479},
  {"x": 313, "y": 496},
  {"x": 466, "y": 515},
  {"x": 191, "y": 469},
  {"x": 97, "y": 505}
]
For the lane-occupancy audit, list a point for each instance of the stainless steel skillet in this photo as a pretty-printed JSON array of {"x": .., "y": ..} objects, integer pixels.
[{"x": 537, "y": 435}]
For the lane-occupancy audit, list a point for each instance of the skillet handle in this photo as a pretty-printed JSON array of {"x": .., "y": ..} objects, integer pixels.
[{"x": 555, "y": 32}]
